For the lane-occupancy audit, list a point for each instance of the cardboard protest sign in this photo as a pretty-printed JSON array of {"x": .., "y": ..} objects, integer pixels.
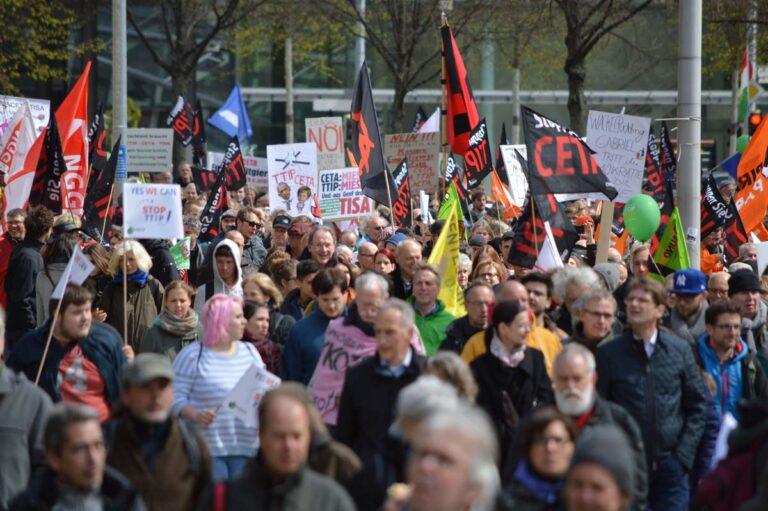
[
  {"x": 244, "y": 398},
  {"x": 40, "y": 109},
  {"x": 422, "y": 151},
  {"x": 149, "y": 149},
  {"x": 340, "y": 196},
  {"x": 328, "y": 135},
  {"x": 180, "y": 253},
  {"x": 77, "y": 270},
  {"x": 293, "y": 177},
  {"x": 620, "y": 142},
  {"x": 152, "y": 211},
  {"x": 516, "y": 173}
]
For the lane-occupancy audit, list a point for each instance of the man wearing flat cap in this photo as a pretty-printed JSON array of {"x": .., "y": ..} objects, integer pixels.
[{"x": 163, "y": 456}]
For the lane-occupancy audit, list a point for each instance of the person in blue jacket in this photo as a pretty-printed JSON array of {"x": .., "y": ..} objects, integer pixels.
[{"x": 305, "y": 340}]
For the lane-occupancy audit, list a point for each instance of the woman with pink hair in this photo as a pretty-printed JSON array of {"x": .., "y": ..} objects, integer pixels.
[{"x": 205, "y": 372}]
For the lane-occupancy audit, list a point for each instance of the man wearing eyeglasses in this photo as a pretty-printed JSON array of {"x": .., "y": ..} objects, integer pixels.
[
  {"x": 687, "y": 316},
  {"x": 375, "y": 230},
  {"x": 595, "y": 311},
  {"x": 717, "y": 286},
  {"x": 249, "y": 225},
  {"x": 654, "y": 376},
  {"x": 727, "y": 359},
  {"x": 366, "y": 254}
]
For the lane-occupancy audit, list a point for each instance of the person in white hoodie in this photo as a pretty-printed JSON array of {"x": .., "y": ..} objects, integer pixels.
[{"x": 227, "y": 274}]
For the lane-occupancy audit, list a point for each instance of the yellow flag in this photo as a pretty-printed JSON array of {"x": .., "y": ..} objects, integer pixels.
[{"x": 445, "y": 255}]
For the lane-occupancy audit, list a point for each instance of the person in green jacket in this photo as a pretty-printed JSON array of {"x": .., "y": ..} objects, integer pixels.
[{"x": 431, "y": 317}]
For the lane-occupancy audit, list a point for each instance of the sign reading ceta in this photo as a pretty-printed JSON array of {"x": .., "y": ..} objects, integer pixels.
[{"x": 568, "y": 154}]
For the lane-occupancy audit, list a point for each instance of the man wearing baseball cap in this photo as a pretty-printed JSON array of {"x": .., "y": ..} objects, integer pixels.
[
  {"x": 163, "y": 456},
  {"x": 279, "y": 237},
  {"x": 686, "y": 318}
]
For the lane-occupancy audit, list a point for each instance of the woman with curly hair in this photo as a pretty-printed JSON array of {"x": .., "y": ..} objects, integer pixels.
[{"x": 258, "y": 287}]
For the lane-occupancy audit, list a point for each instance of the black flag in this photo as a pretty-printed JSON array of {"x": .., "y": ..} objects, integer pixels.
[
  {"x": 714, "y": 211},
  {"x": 99, "y": 200},
  {"x": 478, "y": 157},
  {"x": 401, "y": 208},
  {"x": 204, "y": 179},
  {"x": 501, "y": 167},
  {"x": 653, "y": 178},
  {"x": 560, "y": 160},
  {"x": 418, "y": 120},
  {"x": 46, "y": 186},
  {"x": 667, "y": 159},
  {"x": 97, "y": 147},
  {"x": 180, "y": 119},
  {"x": 233, "y": 165},
  {"x": 198, "y": 137},
  {"x": 210, "y": 217}
]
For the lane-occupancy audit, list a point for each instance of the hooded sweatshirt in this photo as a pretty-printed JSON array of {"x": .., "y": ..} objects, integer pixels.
[
  {"x": 219, "y": 287},
  {"x": 727, "y": 375}
]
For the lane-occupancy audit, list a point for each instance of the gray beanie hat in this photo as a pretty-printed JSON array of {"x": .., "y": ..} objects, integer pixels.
[
  {"x": 610, "y": 275},
  {"x": 608, "y": 447}
]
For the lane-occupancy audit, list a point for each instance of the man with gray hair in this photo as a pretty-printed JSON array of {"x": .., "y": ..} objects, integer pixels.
[
  {"x": 747, "y": 252},
  {"x": 371, "y": 388},
  {"x": 574, "y": 381},
  {"x": 408, "y": 254},
  {"x": 453, "y": 466},
  {"x": 24, "y": 409},
  {"x": 595, "y": 314},
  {"x": 569, "y": 283},
  {"x": 77, "y": 476}
]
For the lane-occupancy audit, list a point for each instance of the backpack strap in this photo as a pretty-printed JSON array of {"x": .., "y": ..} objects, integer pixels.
[
  {"x": 220, "y": 496},
  {"x": 192, "y": 445}
]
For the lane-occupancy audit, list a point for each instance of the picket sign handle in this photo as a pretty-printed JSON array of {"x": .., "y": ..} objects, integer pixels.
[
  {"x": 606, "y": 221},
  {"x": 125, "y": 294},
  {"x": 106, "y": 214},
  {"x": 48, "y": 342}
]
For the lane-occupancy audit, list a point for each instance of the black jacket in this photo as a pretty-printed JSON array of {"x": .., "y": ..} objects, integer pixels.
[
  {"x": 163, "y": 266},
  {"x": 24, "y": 265},
  {"x": 509, "y": 393},
  {"x": 664, "y": 394},
  {"x": 42, "y": 493},
  {"x": 103, "y": 346},
  {"x": 366, "y": 412},
  {"x": 457, "y": 334},
  {"x": 255, "y": 489},
  {"x": 398, "y": 285}
]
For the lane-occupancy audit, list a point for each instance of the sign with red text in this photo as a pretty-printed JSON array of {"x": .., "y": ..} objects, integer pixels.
[
  {"x": 340, "y": 195},
  {"x": 152, "y": 211},
  {"x": 292, "y": 174},
  {"x": 328, "y": 135},
  {"x": 149, "y": 149},
  {"x": 40, "y": 108},
  {"x": 422, "y": 151}
]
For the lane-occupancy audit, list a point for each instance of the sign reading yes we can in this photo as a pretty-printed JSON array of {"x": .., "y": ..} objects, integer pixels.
[{"x": 152, "y": 211}]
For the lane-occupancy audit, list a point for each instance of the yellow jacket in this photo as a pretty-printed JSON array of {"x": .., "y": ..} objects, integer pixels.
[{"x": 539, "y": 338}]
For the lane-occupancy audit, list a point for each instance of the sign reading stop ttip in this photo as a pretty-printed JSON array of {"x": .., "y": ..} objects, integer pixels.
[{"x": 152, "y": 211}]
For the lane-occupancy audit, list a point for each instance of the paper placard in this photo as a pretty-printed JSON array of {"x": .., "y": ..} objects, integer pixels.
[
  {"x": 518, "y": 182},
  {"x": 422, "y": 151},
  {"x": 180, "y": 253},
  {"x": 40, "y": 109},
  {"x": 340, "y": 195},
  {"x": 149, "y": 149},
  {"x": 244, "y": 398},
  {"x": 152, "y": 211},
  {"x": 620, "y": 142},
  {"x": 327, "y": 133},
  {"x": 77, "y": 270},
  {"x": 292, "y": 167}
]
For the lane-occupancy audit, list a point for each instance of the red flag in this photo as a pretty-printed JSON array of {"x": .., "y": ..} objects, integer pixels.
[
  {"x": 72, "y": 118},
  {"x": 461, "y": 108}
]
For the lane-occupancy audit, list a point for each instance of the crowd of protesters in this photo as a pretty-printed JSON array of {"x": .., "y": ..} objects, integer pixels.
[{"x": 589, "y": 387}]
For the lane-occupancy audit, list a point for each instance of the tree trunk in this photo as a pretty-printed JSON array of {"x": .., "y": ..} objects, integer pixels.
[
  {"x": 577, "y": 101},
  {"x": 398, "y": 109}
]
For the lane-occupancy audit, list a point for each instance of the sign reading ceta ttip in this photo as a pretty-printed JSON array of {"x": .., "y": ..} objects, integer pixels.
[
  {"x": 152, "y": 211},
  {"x": 149, "y": 149},
  {"x": 340, "y": 195}
]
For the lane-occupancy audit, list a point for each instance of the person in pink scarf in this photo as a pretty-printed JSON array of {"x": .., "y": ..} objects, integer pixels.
[{"x": 348, "y": 340}]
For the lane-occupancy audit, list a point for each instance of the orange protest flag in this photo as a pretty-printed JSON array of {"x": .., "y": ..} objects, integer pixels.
[{"x": 752, "y": 185}]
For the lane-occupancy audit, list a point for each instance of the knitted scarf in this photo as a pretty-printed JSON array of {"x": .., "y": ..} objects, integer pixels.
[
  {"x": 174, "y": 325},
  {"x": 139, "y": 277}
]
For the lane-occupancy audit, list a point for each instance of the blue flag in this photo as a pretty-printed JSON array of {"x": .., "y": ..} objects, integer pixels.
[{"x": 232, "y": 117}]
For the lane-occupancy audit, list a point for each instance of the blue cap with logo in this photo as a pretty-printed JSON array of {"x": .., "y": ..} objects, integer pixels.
[{"x": 689, "y": 282}]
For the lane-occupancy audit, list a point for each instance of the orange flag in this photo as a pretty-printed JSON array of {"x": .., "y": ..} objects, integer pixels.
[
  {"x": 502, "y": 197},
  {"x": 752, "y": 184},
  {"x": 72, "y": 118}
]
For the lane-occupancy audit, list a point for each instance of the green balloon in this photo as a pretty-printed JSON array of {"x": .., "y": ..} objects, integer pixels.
[
  {"x": 641, "y": 216},
  {"x": 741, "y": 143}
]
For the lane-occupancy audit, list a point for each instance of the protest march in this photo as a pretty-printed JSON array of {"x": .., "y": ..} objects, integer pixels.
[{"x": 197, "y": 316}]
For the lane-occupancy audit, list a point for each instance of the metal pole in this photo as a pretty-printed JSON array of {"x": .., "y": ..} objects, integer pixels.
[
  {"x": 689, "y": 129},
  {"x": 119, "y": 75},
  {"x": 752, "y": 43},
  {"x": 733, "y": 139},
  {"x": 289, "y": 90},
  {"x": 360, "y": 40},
  {"x": 515, "y": 138}
]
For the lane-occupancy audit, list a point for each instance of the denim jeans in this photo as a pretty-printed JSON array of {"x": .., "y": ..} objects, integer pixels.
[
  {"x": 226, "y": 468},
  {"x": 668, "y": 490}
]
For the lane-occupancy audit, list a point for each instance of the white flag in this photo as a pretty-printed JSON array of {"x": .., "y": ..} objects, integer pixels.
[
  {"x": 549, "y": 258},
  {"x": 16, "y": 142},
  {"x": 246, "y": 395},
  {"x": 78, "y": 269},
  {"x": 431, "y": 125}
]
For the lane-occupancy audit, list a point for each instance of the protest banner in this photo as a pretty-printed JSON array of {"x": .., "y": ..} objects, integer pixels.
[
  {"x": 244, "y": 398},
  {"x": 620, "y": 142},
  {"x": 422, "y": 151},
  {"x": 152, "y": 211},
  {"x": 255, "y": 169},
  {"x": 180, "y": 253},
  {"x": 40, "y": 109},
  {"x": 149, "y": 149},
  {"x": 340, "y": 195},
  {"x": 292, "y": 171},
  {"x": 328, "y": 135},
  {"x": 77, "y": 270}
]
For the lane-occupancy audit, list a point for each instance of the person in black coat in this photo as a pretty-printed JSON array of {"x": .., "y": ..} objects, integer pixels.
[
  {"x": 511, "y": 378},
  {"x": 24, "y": 265},
  {"x": 478, "y": 298},
  {"x": 163, "y": 265},
  {"x": 369, "y": 395}
]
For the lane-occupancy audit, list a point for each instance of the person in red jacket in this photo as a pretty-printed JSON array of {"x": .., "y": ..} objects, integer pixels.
[{"x": 14, "y": 233}]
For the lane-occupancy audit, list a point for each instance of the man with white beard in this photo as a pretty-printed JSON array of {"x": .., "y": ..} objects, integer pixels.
[{"x": 574, "y": 379}]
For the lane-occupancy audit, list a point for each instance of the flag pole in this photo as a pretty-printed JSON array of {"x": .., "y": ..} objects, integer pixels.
[
  {"x": 106, "y": 214},
  {"x": 125, "y": 290},
  {"x": 443, "y": 105},
  {"x": 48, "y": 342},
  {"x": 389, "y": 195}
]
